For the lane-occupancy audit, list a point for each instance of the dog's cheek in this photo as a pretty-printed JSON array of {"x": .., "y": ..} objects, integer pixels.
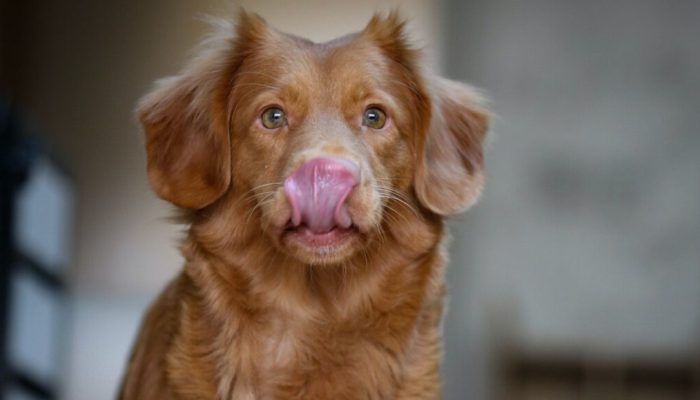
[
  {"x": 274, "y": 210},
  {"x": 395, "y": 161},
  {"x": 389, "y": 163},
  {"x": 257, "y": 158},
  {"x": 366, "y": 202}
]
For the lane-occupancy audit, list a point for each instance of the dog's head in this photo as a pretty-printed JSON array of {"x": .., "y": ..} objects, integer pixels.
[{"x": 320, "y": 143}]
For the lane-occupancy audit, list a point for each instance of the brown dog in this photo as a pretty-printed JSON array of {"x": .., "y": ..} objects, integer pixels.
[{"x": 314, "y": 179}]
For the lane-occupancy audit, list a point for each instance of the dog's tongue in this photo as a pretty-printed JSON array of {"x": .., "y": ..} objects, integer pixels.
[{"x": 317, "y": 192}]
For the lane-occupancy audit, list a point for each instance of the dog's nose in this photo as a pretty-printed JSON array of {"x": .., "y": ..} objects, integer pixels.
[{"x": 317, "y": 192}]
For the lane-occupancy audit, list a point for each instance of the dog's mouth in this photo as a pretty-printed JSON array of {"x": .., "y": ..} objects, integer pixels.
[
  {"x": 320, "y": 226},
  {"x": 321, "y": 247},
  {"x": 328, "y": 240}
]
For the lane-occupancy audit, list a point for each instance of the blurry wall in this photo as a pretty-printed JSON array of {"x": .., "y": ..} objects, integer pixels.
[
  {"x": 79, "y": 67},
  {"x": 586, "y": 239}
]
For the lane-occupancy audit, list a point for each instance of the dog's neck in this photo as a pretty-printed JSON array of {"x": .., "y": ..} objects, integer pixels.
[{"x": 255, "y": 275}]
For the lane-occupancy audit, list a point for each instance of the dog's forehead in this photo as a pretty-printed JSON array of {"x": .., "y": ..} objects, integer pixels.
[{"x": 293, "y": 61}]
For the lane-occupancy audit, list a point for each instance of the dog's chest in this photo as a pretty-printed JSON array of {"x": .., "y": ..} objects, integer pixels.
[
  {"x": 308, "y": 361},
  {"x": 283, "y": 346}
]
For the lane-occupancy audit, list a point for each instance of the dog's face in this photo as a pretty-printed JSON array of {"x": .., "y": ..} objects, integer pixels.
[
  {"x": 320, "y": 142},
  {"x": 335, "y": 131}
]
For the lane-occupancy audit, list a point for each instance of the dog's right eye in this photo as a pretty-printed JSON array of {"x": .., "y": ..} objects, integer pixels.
[
  {"x": 374, "y": 118},
  {"x": 273, "y": 118}
]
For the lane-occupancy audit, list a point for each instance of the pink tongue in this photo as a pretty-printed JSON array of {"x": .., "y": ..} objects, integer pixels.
[{"x": 317, "y": 191}]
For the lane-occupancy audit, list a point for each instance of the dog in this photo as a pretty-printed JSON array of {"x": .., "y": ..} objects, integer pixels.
[{"x": 314, "y": 180}]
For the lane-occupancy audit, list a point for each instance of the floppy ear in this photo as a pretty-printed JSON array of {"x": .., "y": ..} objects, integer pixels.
[
  {"x": 185, "y": 120},
  {"x": 449, "y": 175}
]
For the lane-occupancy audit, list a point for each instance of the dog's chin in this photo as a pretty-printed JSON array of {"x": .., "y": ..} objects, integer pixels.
[{"x": 328, "y": 248}]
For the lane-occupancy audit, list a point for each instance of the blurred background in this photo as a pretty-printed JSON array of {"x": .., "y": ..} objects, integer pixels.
[{"x": 576, "y": 277}]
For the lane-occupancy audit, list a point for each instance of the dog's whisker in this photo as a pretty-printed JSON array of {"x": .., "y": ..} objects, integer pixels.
[
  {"x": 250, "y": 194},
  {"x": 393, "y": 219},
  {"x": 395, "y": 212},
  {"x": 393, "y": 196},
  {"x": 380, "y": 234},
  {"x": 257, "y": 206}
]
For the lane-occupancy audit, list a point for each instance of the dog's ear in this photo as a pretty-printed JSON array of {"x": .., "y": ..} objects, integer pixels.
[
  {"x": 186, "y": 121},
  {"x": 450, "y": 125},
  {"x": 449, "y": 175}
]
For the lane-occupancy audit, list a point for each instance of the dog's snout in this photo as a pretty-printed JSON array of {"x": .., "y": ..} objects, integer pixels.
[{"x": 317, "y": 192}]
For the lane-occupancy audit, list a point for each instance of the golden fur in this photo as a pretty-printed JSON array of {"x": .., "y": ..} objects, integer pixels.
[{"x": 256, "y": 315}]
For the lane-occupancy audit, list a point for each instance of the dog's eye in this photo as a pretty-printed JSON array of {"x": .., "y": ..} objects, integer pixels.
[
  {"x": 374, "y": 118},
  {"x": 273, "y": 118}
]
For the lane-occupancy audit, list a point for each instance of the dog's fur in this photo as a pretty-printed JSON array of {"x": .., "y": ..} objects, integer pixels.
[{"x": 256, "y": 315}]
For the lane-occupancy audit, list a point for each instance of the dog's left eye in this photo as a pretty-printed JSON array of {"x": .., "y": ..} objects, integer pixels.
[
  {"x": 374, "y": 118},
  {"x": 273, "y": 118}
]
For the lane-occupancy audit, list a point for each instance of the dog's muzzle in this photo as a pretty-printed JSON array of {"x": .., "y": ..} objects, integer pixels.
[{"x": 317, "y": 193}]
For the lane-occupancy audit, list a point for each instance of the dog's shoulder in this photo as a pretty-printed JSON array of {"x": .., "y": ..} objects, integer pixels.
[{"x": 145, "y": 376}]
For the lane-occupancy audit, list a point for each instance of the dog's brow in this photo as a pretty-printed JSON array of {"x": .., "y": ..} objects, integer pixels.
[
  {"x": 244, "y": 84},
  {"x": 243, "y": 73}
]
